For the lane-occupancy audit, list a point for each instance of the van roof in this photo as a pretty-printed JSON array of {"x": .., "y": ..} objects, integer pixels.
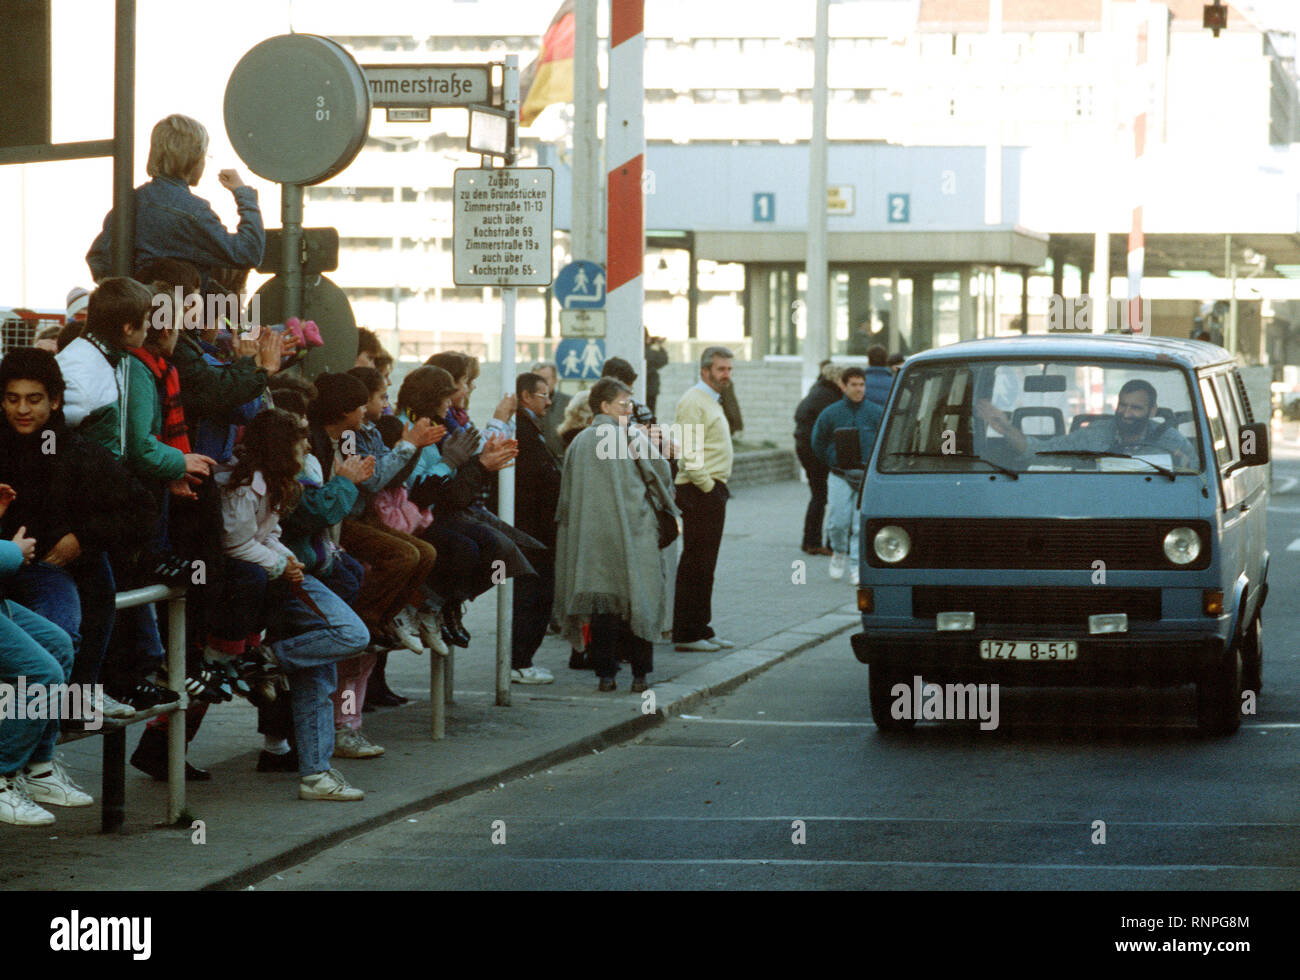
[{"x": 1187, "y": 353}]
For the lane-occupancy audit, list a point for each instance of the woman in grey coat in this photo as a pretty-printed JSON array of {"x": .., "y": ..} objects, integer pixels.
[{"x": 610, "y": 570}]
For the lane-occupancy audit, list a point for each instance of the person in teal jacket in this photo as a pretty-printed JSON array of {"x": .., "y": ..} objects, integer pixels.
[{"x": 853, "y": 411}]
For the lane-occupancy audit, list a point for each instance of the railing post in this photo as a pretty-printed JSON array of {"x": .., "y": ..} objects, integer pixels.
[{"x": 176, "y": 723}]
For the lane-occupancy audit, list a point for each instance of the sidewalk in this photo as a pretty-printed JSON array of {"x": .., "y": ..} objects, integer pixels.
[{"x": 255, "y": 824}]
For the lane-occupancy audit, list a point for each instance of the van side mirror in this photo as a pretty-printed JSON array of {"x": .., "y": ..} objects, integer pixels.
[
  {"x": 848, "y": 449},
  {"x": 1253, "y": 442}
]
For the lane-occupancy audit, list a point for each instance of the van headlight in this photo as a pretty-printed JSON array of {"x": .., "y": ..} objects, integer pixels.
[
  {"x": 892, "y": 544},
  {"x": 1182, "y": 545}
]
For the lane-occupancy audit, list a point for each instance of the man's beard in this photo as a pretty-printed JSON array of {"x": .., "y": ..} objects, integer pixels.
[{"x": 1129, "y": 427}]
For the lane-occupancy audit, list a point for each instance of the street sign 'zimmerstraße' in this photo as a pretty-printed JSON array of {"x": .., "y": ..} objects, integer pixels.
[
  {"x": 428, "y": 85},
  {"x": 502, "y": 226}
]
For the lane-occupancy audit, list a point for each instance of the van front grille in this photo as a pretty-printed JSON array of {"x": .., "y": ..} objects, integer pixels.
[
  {"x": 1059, "y": 543},
  {"x": 1035, "y": 606}
]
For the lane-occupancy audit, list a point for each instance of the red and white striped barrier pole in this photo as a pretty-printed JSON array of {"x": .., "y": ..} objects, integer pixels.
[
  {"x": 625, "y": 154},
  {"x": 1136, "y": 247}
]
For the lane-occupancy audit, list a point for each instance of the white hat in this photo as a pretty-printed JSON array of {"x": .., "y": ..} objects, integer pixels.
[{"x": 78, "y": 300}]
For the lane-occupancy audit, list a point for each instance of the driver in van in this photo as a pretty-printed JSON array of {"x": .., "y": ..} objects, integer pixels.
[{"x": 1132, "y": 429}]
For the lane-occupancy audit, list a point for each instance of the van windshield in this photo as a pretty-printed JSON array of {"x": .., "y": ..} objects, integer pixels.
[{"x": 1042, "y": 416}]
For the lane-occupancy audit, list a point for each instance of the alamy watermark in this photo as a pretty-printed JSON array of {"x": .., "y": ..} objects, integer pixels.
[
  {"x": 176, "y": 311},
  {"x": 951, "y": 702},
  {"x": 1083, "y": 314},
  {"x": 53, "y": 702},
  {"x": 676, "y": 441}
]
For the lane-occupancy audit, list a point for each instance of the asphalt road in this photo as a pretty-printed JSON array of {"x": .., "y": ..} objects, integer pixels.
[{"x": 787, "y": 784}]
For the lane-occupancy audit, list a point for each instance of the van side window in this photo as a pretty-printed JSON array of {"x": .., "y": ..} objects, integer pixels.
[
  {"x": 1222, "y": 450},
  {"x": 1228, "y": 410},
  {"x": 1247, "y": 415}
]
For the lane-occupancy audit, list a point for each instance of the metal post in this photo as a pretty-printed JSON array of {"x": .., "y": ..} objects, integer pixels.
[
  {"x": 993, "y": 151},
  {"x": 176, "y": 728},
  {"x": 1100, "y": 288},
  {"x": 816, "y": 340},
  {"x": 693, "y": 289},
  {"x": 506, "y": 477},
  {"x": 291, "y": 255},
  {"x": 437, "y": 697},
  {"x": 123, "y": 232},
  {"x": 1231, "y": 339},
  {"x": 586, "y": 239},
  {"x": 113, "y": 780}
]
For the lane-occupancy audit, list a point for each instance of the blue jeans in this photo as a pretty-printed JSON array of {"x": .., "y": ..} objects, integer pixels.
[
  {"x": 842, "y": 517},
  {"x": 31, "y": 647},
  {"x": 79, "y": 599},
  {"x": 308, "y": 647}
]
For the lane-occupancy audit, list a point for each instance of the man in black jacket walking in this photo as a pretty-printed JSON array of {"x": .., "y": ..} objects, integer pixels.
[
  {"x": 537, "y": 482},
  {"x": 825, "y": 391}
]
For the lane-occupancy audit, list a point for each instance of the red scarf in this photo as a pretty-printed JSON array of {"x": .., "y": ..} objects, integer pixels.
[{"x": 174, "y": 433}]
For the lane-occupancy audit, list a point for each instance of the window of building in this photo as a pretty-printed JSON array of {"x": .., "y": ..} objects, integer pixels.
[
  {"x": 410, "y": 195},
  {"x": 441, "y": 193}
]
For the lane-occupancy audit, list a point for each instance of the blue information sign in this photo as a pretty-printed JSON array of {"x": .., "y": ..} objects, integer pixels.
[
  {"x": 580, "y": 358},
  {"x": 765, "y": 206},
  {"x": 900, "y": 208},
  {"x": 580, "y": 286}
]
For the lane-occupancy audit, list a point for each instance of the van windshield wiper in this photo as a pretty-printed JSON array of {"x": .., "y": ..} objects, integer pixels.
[
  {"x": 1094, "y": 453},
  {"x": 979, "y": 459}
]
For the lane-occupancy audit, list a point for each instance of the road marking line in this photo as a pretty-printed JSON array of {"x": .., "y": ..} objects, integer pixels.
[
  {"x": 1294, "y": 545},
  {"x": 833, "y": 862},
  {"x": 1288, "y": 484},
  {"x": 1172, "y": 825}
]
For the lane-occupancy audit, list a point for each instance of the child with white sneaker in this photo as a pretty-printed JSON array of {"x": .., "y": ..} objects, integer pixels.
[{"x": 33, "y": 648}]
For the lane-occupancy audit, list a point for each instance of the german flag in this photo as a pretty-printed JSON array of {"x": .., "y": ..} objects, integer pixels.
[{"x": 549, "y": 79}]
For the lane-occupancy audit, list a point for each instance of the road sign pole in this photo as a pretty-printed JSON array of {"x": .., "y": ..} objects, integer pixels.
[
  {"x": 291, "y": 243},
  {"x": 816, "y": 330},
  {"x": 506, "y": 477},
  {"x": 624, "y": 193}
]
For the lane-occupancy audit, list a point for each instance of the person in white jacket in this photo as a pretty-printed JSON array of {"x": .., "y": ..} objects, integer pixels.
[{"x": 309, "y": 628}]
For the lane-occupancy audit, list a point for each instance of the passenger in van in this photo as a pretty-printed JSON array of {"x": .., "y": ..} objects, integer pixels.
[{"x": 1132, "y": 429}]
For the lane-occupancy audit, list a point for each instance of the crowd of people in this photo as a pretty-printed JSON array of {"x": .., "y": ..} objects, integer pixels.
[{"x": 315, "y": 527}]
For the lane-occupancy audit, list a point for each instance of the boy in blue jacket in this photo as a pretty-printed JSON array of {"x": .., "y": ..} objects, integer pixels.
[{"x": 853, "y": 411}]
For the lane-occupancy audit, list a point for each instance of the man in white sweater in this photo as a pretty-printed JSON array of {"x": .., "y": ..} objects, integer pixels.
[{"x": 702, "y": 496}]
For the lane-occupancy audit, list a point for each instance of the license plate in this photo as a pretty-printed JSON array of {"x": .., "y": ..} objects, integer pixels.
[{"x": 1029, "y": 650}]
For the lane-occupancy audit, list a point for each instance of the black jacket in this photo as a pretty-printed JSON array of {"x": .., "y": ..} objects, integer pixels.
[
  {"x": 78, "y": 488},
  {"x": 820, "y": 396},
  {"x": 212, "y": 392},
  {"x": 537, "y": 482}
]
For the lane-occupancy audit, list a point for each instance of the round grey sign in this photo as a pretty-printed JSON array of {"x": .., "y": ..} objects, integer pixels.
[{"x": 297, "y": 108}]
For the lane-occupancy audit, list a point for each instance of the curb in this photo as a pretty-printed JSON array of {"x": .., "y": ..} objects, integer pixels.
[{"x": 690, "y": 689}]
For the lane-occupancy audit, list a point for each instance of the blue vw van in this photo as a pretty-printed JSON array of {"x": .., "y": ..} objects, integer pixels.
[{"x": 1066, "y": 510}]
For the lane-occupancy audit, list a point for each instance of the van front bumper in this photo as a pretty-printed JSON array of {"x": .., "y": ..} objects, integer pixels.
[{"x": 1118, "y": 659}]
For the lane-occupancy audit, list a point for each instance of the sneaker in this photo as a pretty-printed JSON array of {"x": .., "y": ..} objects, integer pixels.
[
  {"x": 147, "y": 694},
  {"x": 16, "y": 807},
  {"x": 722, "y": 644},
  {"x": 431, "y": 633},
  {"x": 351, "y": 744},
  {"x": 328, "y": 785},
  {"x": 639, "y": 684},
  {"x": 113, "y": 708},
  {"x": 531, "y": 675},
  {"x": 838, "y": 561},
  {"x": 697, "y": 646},
  {"x": 406, "y": 629},
  {"x": 853, "y": 574},
  {"x": 55, "y": 787}
]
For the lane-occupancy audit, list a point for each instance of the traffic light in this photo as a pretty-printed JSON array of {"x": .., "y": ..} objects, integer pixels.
[{"x": 1215, "y": 17}]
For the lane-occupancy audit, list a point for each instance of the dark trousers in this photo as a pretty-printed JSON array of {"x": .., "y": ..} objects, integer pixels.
[
  {"x": 466, "y": 551},
  {"x": 532, "y": 609},
  {"x": 703, "y": 515},
  {"x": 611, "y": 639},
  {"x": 817, "y": 474}
]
